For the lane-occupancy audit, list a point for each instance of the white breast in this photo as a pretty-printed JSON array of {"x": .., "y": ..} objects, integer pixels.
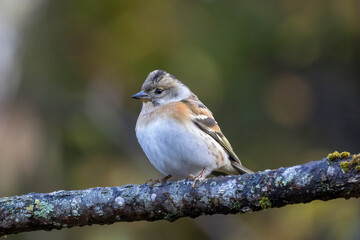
[{"x": 174, "y": 149}]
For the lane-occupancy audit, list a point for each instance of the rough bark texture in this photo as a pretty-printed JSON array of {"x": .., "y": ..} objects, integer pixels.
[{"x": 320, "y": 180}]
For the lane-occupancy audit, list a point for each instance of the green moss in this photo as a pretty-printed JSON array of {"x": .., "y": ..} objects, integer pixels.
[
  {"x": 357, "y": 168},
  {"x": 168, "y": 217},
  {"x": 236, "y": 205},
  {"x": 345, "y": 155},
  {"x": 333, "y": 156},
  {"x": 265, "y": 203},
  {"x": 171, "y": 216},
  {"x": 344, "y": 166}
]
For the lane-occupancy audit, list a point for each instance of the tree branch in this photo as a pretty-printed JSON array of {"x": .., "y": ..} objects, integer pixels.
[{"x": 320, "y": 180}]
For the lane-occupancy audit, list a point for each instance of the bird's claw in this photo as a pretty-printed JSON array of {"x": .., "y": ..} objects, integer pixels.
[
  {"x": 198, "y": 178},
  {"x": 190, "y": 177}
]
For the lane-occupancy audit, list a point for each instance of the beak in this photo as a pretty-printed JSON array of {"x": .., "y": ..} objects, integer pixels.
[{"x": 142, "y": 96}]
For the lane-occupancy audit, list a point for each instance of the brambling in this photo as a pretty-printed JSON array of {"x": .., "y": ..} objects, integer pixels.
[{"x": 179, "y": 134}]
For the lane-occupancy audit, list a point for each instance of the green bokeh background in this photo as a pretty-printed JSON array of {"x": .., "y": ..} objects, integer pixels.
[{"x": 281, "y": 77}]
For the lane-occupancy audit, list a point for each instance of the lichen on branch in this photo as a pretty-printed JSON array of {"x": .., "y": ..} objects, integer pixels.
[{"x": 336, "y": 176}]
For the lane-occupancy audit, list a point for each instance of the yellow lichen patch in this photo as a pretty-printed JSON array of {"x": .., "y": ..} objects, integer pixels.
[
  {"x": 265, "y": 203},
  {"x": 344, "y": 166},
  {"x": 345, "y": 155},
  {"x": 333, "y": 156},
  {"x": 355, "y": 160},
  {"x": 30, "y": 208},
  {"x": 357, "y": 168},
  {"x": 37, "y": 203}
]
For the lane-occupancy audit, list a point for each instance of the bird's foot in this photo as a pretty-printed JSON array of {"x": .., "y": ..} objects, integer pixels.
[
  {"x": 197, "y": 178},
  {"x": 151, "y": 182},
  {"x": 190, "y": 177}
]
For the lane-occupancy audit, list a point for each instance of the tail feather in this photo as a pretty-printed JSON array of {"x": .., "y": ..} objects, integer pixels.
[
  {"x": 237, "y": 169},
  {"x": 241, "y": 169}
]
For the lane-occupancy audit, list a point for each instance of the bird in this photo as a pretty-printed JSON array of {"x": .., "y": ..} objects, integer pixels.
[{"x": 179, "y": 134}]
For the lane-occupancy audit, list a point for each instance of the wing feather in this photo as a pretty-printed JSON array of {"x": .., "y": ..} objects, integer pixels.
[
  {"x": 219, "y": 137},
  {"x": 203, "y": 119}
]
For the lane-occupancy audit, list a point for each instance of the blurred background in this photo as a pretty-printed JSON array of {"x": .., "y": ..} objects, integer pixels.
[{"x": 281, "y": 77}]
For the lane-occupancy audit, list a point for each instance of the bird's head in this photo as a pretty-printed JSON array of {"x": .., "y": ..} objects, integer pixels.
[{"x": 161, "y": 88}]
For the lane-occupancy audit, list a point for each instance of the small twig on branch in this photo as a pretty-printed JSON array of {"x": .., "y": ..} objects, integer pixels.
[{"x": 334, "y": 177}]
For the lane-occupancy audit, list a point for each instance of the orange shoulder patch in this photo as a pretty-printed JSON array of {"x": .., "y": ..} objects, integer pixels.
[{"x": 177, "y": 110}]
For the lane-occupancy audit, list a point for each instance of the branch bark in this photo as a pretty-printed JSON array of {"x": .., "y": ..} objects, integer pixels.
[{"x": 319, "y": 180}]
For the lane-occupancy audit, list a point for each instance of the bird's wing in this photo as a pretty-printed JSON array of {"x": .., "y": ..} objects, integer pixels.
[{"x": 203, "y": 119}]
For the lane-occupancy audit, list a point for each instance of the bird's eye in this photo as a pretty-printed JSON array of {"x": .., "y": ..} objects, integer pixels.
[{"x": 159, "y": 90}]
